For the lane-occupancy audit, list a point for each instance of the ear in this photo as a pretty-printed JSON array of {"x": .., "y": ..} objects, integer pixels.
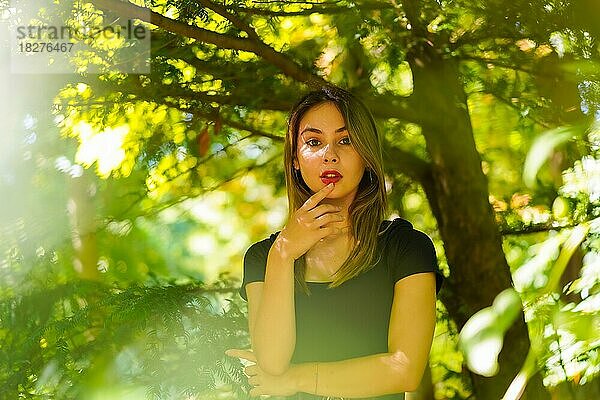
[{"x": 295, "y": 164}]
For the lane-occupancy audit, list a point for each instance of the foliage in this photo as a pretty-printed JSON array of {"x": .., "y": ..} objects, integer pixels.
[
  {"x": 164, "y": 339},
  {"x": 482, "y": 336},
  {"x": 185, "y": 179},
  {"x": 564, "y": 331}
]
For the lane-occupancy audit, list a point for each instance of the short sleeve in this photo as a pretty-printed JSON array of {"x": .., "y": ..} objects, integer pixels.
[
  {"x": 413, "y": 252},
  {"x": 255, "y": 264}
]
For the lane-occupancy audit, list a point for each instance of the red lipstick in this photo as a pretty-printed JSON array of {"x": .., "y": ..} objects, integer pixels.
[{"x": 330, "y": 175}]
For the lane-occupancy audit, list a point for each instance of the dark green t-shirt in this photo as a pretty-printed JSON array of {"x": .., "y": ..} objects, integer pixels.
[{"x": 352, "y": 319}]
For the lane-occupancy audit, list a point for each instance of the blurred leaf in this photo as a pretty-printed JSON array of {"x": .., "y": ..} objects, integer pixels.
[
  {"x": 577, "y": 236},
  {"x": 543, "y": 147},
  {"x": 482, "y": 336}
]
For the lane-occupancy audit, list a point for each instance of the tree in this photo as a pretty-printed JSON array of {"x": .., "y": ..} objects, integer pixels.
[{"x": 417, "y": 65}]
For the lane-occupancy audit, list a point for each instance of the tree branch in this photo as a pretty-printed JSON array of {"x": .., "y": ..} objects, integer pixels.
[
  {"x": 329, "y": 10},
  {"x": 509, "y": 103},
  {"x": 498, "y": 63},
  {"x": 546, "y": 227},
  {"x": 144, "y": 14},
  {"x": 285, "y": 64},
  {"x": 406, "y": 163},
  {"x": 383, "y": 106},
  {"x": 235, "y": 20},
  {"x": 393, "y": 106},
  {"x": 253, "y": 131}
]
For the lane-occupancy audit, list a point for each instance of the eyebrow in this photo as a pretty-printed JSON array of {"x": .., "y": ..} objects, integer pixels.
[{"x": 316, "y": 130}]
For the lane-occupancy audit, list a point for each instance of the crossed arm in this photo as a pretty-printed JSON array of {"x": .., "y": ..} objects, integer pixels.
[{"x": 271, "y": 316}]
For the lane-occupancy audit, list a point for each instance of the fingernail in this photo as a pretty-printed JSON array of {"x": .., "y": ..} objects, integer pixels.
[{"x": 330, "y": 185}]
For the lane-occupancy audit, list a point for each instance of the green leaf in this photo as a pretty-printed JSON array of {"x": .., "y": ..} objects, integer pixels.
[
  {"x": 482, "y": 337},
  {"x": 542, "y": 149}
]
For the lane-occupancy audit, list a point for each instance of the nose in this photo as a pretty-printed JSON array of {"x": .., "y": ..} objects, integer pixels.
[{"x": 329, "y": 155}]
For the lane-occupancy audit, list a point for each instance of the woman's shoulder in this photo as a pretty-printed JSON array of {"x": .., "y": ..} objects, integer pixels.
[
  {"x": 400, "y": 234},
  {"x": 409, "y": 250},
  {"x": 264, "y": 245},
  {"x": 394, "y": 226}
]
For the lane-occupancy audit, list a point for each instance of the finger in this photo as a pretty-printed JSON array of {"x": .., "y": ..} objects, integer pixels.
[
  {"x": 233, "y": 352},
  {"x": 326, "y": 219},
  {"x": 317, "y": 197},
  {"x": 239, "y": 353},
  {"x": 257, "y": 391},
  {"x": 323, "y": 209},
  {"x": 251, "y": 370},
  {"x": 245, "y": 354},
  {"x": 328, "y": 230},
  {"x": 230, "y": 352}
]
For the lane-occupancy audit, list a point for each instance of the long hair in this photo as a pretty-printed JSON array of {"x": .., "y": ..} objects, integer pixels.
[{"x": 368, "y": 209}]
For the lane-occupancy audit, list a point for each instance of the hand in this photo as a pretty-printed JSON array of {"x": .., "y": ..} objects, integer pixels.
[
  {"x": 309, "y": 224},
  {"x": 264, "y": 384}
]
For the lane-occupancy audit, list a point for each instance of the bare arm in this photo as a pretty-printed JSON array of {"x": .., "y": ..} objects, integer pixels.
[{"x": 271, "y": 314}]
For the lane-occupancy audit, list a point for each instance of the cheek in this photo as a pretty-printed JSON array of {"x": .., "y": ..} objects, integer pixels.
[
  {"x": 306, "y": 156},
  {"x": 357, "y": 162}
]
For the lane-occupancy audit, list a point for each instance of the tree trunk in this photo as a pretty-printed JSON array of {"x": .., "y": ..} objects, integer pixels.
[{"x": 458, "y": 194}]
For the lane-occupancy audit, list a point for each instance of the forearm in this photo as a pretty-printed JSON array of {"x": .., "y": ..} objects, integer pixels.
[
  {"x": 275, "y": 329},
  {"x": 374, "y": 375}
]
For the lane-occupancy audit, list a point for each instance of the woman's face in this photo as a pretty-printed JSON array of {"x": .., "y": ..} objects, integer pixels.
[{"x": 323, "y": 144}]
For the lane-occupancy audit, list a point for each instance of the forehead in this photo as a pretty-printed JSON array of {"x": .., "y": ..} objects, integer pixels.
[{"x": 324, "y": 116}]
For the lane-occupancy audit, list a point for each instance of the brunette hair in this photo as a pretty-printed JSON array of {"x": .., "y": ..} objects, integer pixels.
[{"x": 368, "y": 209}]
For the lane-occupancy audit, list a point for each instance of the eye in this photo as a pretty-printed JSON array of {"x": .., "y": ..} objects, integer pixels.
[
  {"x": 312, "y": 142},
  {"x": 346, "y": 140}
]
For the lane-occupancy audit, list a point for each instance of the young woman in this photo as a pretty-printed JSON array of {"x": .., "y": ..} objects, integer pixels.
[{"x": 341, "y": 302}]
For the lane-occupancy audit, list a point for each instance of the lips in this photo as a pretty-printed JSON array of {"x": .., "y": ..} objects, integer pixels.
[{"x": 330, "y": 176}]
